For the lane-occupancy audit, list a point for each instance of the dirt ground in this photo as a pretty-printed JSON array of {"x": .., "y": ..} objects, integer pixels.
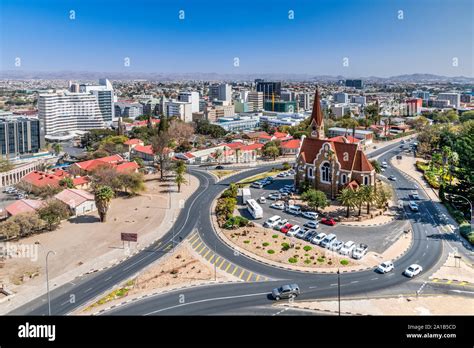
[
  {"x": 183, "y": 267},
  {"x": 423, "y": 305},
  {"x": 267, "y": 244},
  {"x": 84, "y": 238},
  {"x": 453, "y": 269}
]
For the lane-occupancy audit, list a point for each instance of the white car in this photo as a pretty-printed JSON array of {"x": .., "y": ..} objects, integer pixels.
[
  {"x": 280, "y": 224},
  {"x": 274, "y": 196},
  {"x": 327, "y": 242},
  {"x": 347, "y": 248},
  {"x": 384, "y": 164},
  {"x": 310, "y": 215},
  {"x": 311, "y": 224},
  {"x": 360, "y": 251},
  {"x": 271, "y": 222},
  {"x": 385, "y": 267},
  {"x": 316, "y": 240},
  {"x": 413, "y": 206},
  {"x": 277, "y": 205},
  {"x": 293, "y": 231},
  {"x": 413, "y": 270},
  {"x": 336, "y": 245},
  {"x": 262, "y": 200}
]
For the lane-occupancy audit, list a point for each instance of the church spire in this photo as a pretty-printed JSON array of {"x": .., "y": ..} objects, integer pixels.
[{"x": 317, "y": 121}]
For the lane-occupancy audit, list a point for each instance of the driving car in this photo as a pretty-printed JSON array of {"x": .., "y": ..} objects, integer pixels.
[
  {"x": 317, "y": 240},
  {"x": 413, "y": 206},
  {"x": 286, "y": 291},
  {"x": 219, "y": 167},
  {"x": 286, "y": 228},
  {"x": 277, "y": 205},
  {"x": 391, "y": 177},
  {"x": 311, "y": 224},
  {"x": 414, "y": 195},
  {"x": 347, "y": 248},
  {"x": 385, "y": 267},
  {"x": 360, "y": 251},
  {"x": 413, "y": 270},
  {"x": 258, "y": 185},
  {"x": 328, "y": 221},
  {"x": 326, "y": 242},
  {"x": 293, "y": 230},
  {"x": 336, "y": 245},
  {"x": 310, "y": 215}
]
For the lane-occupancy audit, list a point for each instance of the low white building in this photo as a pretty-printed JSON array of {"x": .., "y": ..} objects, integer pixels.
[{"x": 80, "y": 202}]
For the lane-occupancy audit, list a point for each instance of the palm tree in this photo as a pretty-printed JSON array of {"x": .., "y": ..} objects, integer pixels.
[
  {"x": 103, "y": 196},
  {"x": 347, "y": 197},
  {"x": 57, "y": 148},
  {"x": 331, "y": 156},
  {"x": 359, "y": 200},
  {"x": 367, "y": 193},
  {"x": 218, "y": 155},
  {"x": 378, "y": 169}
]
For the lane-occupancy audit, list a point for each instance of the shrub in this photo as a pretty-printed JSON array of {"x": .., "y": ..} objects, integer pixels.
[
  {"x": 307, "y": 248},
  {"x": 285, "y": 246},
  {"x": 236, "y": 221},
  {"x": 292, "y": 260},
  {"x": 344, "y": 262},
  {"x": 275, "y": 236},
  {"x": 271, "y": 251},
  {"x": 246, "y": 241},
  {"x": 320, "y": 259},
  {"x": 266, "y": 244},
  {"x": 307, "y": 261}
]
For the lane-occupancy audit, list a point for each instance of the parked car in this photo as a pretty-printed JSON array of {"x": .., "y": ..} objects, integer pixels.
[
  {"x": 328, "y": 221},
  {"x": 280, "y": 224},
  {"x": 262, "y": 200},
  {"x": 413, "y": 270},
  {"x": 310, "y": 235},
  {"x": 311, "y": 224},
  {"x": 414, "y": 195},
  {"x": 272, "y": 221},
  {"x": 310, "y": 215},
  {"x": 294, "y": 209},
  {"x": 360, "y": 251},
  {"x": 391, "y": 177},
  {"x": 219, "y": 167},
  {"x": 277, "y": 205},
  {"x": 317, "y": 240},
  {"x": 302, "y": 233},
  {"x": 286, "y": 228},
  {"x": 347, "y": 248},
  {"x": 385, "y": 267},
  {"x": 336, "y": 245},
  {"x": 274, "y": 196},
  {"x": 326, "y": 242},
  {"x": 258, "y": 185},
  {"x": 293, "y": 230},
  {"x": 286, "y": 291},
  {"x": 413, "y": 206}
]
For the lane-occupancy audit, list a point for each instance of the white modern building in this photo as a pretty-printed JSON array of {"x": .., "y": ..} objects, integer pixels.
[
  {"x": 190, "y": 97},
  {"x": 359, "y": 99},
  {"x": 182, "y": 110},
  {"x": 341, "y": 98},
  {"x": 277, "y": 119},
  {"x": 238, "y": 123},
  {"x": 104, "y": 93},
  {"x": 257, "y": 99},
  {"x": 304, "y": 101},
  {"x": 128, "y": 109},
  {"x": 221, "y": 91},
  {"x": 67, "y": 112},
  {"x": 453, "y": 98}
]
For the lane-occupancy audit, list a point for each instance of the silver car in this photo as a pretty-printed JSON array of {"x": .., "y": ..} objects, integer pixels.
[{"x": 286, "y": 291}]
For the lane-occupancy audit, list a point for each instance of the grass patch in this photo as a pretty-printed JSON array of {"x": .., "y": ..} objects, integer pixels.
[
  {"x": 246, "y": 241},
  {"x": 307, "y": 261},
  {"x": 222, "y": 173},
  {"x": 248, "y": 181},
  {"x": 292, "y": 260},
  {"x": 285, "y": 246},
  {"x": 266, "y": 244},
  {"x": 275, "y": 236},
  {"x": 320, "y": 259},
  {"x": 307, "y": 248},
  {"x": 271, "y": 251},
  {"x": 344, "y": 262}
]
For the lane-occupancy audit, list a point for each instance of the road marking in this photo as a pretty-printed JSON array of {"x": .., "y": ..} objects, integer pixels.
[
  {"x": 217, "y": 260},
  {"x": 87, "y": 290},
  {"x": 240, "y": 276},
  {"x": 449, "y": 282},
  {"x": 194, "y": 238},
  {"x": 199, "y": 251},
  {"x": 194, "y": 243},
  {"x": 354, "y": 281},
  {"x": 212, "y": 256},
  {"x": 257, "y": 278},
  {"x": 435, "y": 280},
  {"x": 208, "y": 251},
  {"x": 333, "y": 284},
  {"x": 463, "y": 283},
  {"x": 228, "y": 266},
  {"x": 222, "y": 262},
  {"x": 207, "y": 300},
  {"x": 391, "y": 275},
  {"x": 108, "y": 278},
  {"x": 235, "y": 269},
  {"x": 462, "y": 291},
  {"x": 313, "y": 287},
  {"x": 250, "y": 275},
  {"x": 375, "y": 278}
]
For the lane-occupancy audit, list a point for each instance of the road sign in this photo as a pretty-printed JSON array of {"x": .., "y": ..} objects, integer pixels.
[{"x": 129, "y": 237}]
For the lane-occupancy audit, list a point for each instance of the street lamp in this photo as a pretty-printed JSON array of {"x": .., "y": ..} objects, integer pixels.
[
  {"x": 339, "y": 291},
  {"x": 47, "y": 281},
  {"x": 470, "y": 205}
]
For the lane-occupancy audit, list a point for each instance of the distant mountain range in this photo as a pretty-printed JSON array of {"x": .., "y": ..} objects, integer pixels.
[{"x": 167, "y": 77}]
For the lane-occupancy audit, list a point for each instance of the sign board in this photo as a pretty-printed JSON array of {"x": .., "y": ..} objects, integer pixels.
[{"x": 129, "y": 237}]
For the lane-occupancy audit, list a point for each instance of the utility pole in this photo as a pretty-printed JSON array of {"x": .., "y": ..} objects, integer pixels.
[
  {"x": 215, "y": 263},
  {"x": 339, "y": 291},
  {"x": 47, "y": 282}
]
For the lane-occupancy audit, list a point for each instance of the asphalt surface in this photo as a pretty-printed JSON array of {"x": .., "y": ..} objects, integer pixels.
[{"x": 426, "y": 250}]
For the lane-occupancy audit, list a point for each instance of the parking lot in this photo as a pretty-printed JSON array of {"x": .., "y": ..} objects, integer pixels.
[{"x": 378, "y": 238}]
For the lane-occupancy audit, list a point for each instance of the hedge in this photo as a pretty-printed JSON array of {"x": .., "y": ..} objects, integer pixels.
[{"x": 466, "y": 232}]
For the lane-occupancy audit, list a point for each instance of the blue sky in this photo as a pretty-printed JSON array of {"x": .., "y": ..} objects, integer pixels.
[{"x": 258, "y": 32}]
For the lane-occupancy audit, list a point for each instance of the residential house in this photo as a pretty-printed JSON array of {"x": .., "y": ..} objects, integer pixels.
[{"x": 80, "y": 202}]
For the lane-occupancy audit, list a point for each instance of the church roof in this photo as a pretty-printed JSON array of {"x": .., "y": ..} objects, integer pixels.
[{"x": 317, "y": 115}]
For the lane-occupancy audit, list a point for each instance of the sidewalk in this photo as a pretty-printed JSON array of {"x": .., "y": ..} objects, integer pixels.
[{"x": 28, "y": 292}]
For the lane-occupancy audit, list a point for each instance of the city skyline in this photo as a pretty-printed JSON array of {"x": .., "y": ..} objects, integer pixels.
[{"x": 264, "y": 40}]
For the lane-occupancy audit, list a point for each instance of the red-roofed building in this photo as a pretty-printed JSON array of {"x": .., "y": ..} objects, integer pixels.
[
  {"x": 127, "y": 167},
  {"x": 131, "y": 143},
  {"x": 348, "y": 139},
  {"x": 242, "y": 153},
  {"x": 330, "y": 165},
  {"x": 114, "y": 161},
  {"x": 290, "y": 147},
  {"x": 23, "y": 206},
  {"x": 41, "y": 179}
]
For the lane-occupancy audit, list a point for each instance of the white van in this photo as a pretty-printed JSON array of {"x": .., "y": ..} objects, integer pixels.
[
  {"x": 294, "y": 209},
  {"x": 272, "y": 222}
]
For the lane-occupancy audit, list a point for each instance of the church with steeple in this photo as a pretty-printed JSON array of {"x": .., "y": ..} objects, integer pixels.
[{"x": 327, "y": 165}]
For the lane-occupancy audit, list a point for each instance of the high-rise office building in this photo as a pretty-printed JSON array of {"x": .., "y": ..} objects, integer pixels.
[
  {"x": 256, "y": 98},
  {"x": 280, "y": 106},
  {"x": 453, "y": 98},
  {"x": 270, "y": 89},
  {"x": 182, "y": 110},
  {"x": 425, "y": 95},
  {"x": 221, "y": 91},
  {"x": 304, "y": 101},
  {"x": 286, "y": 95},
  {"x": 104, "y": 92},
  {"x": 64, "y": 111},
  {"x": 359, "y": 99},
  {"x": 19, "y": 136},
  {"x": 190, "y": 97},
  {"x": 358, "y": 84},
  {"x": 341, "y": 98}
]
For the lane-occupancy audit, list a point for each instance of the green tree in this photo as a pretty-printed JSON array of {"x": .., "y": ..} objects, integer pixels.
[
  {"x": 57, "y": 148},
  {"x": 52, "y": 212},
  {"x": 103, "y": 196},
  {"x": 9, "y": 229},
  {"x": 382, "y": 197},
  {"x": 160, "y": 146},
  {"x": 5, "y": 165},
  {"x": 131, "y": 182},
  {"x": 348, "y": 199},
  {"x": 180, "y": 180},
  {"x": 163, "y": 125},
  {"x": 29, "y": 223},
  {"x": 67, "y": 182},
  {"x": 315, "y": 199}
]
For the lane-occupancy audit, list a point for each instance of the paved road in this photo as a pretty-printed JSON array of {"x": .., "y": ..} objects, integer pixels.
[{"x": 426, "y": 250}]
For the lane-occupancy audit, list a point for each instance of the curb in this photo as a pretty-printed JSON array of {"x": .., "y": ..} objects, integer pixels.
[{"x": 324, "y": 310}]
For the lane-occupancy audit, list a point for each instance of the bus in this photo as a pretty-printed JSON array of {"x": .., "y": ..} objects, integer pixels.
[{"x": 254, "y": 209}]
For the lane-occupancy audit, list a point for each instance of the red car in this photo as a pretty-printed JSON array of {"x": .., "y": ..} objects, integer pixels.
[
  {"x": 286, "y": 228},
  {"x": 329, "y": 222}
]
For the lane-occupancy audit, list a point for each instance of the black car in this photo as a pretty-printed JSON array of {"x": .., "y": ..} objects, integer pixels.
[{"x": 219, "y": 167}]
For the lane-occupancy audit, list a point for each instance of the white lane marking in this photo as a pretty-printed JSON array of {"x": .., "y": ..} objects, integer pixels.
[
  {"x": 423, "y": 254},
  {"x": 87, "y": 290},
  {"x": 462, "y": 291},
  {"x": 313, "y": 287},
  {"x": 108, "y": 278},
  {"x": 333, "y": 284},
  {"x": 375, "y": 278},
  {"x": 391, "y": 275},
  {"x": 354, "y": 281},
  {"x": 62, "y": 304},
  {"x": 283, "y": 310},
  {"x": 206, "y": 300}
]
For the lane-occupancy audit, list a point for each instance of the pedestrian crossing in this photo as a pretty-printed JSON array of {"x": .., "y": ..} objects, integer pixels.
[
  {"x": 451, "y": 282},
  {"x": 221, "y": 263}
]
